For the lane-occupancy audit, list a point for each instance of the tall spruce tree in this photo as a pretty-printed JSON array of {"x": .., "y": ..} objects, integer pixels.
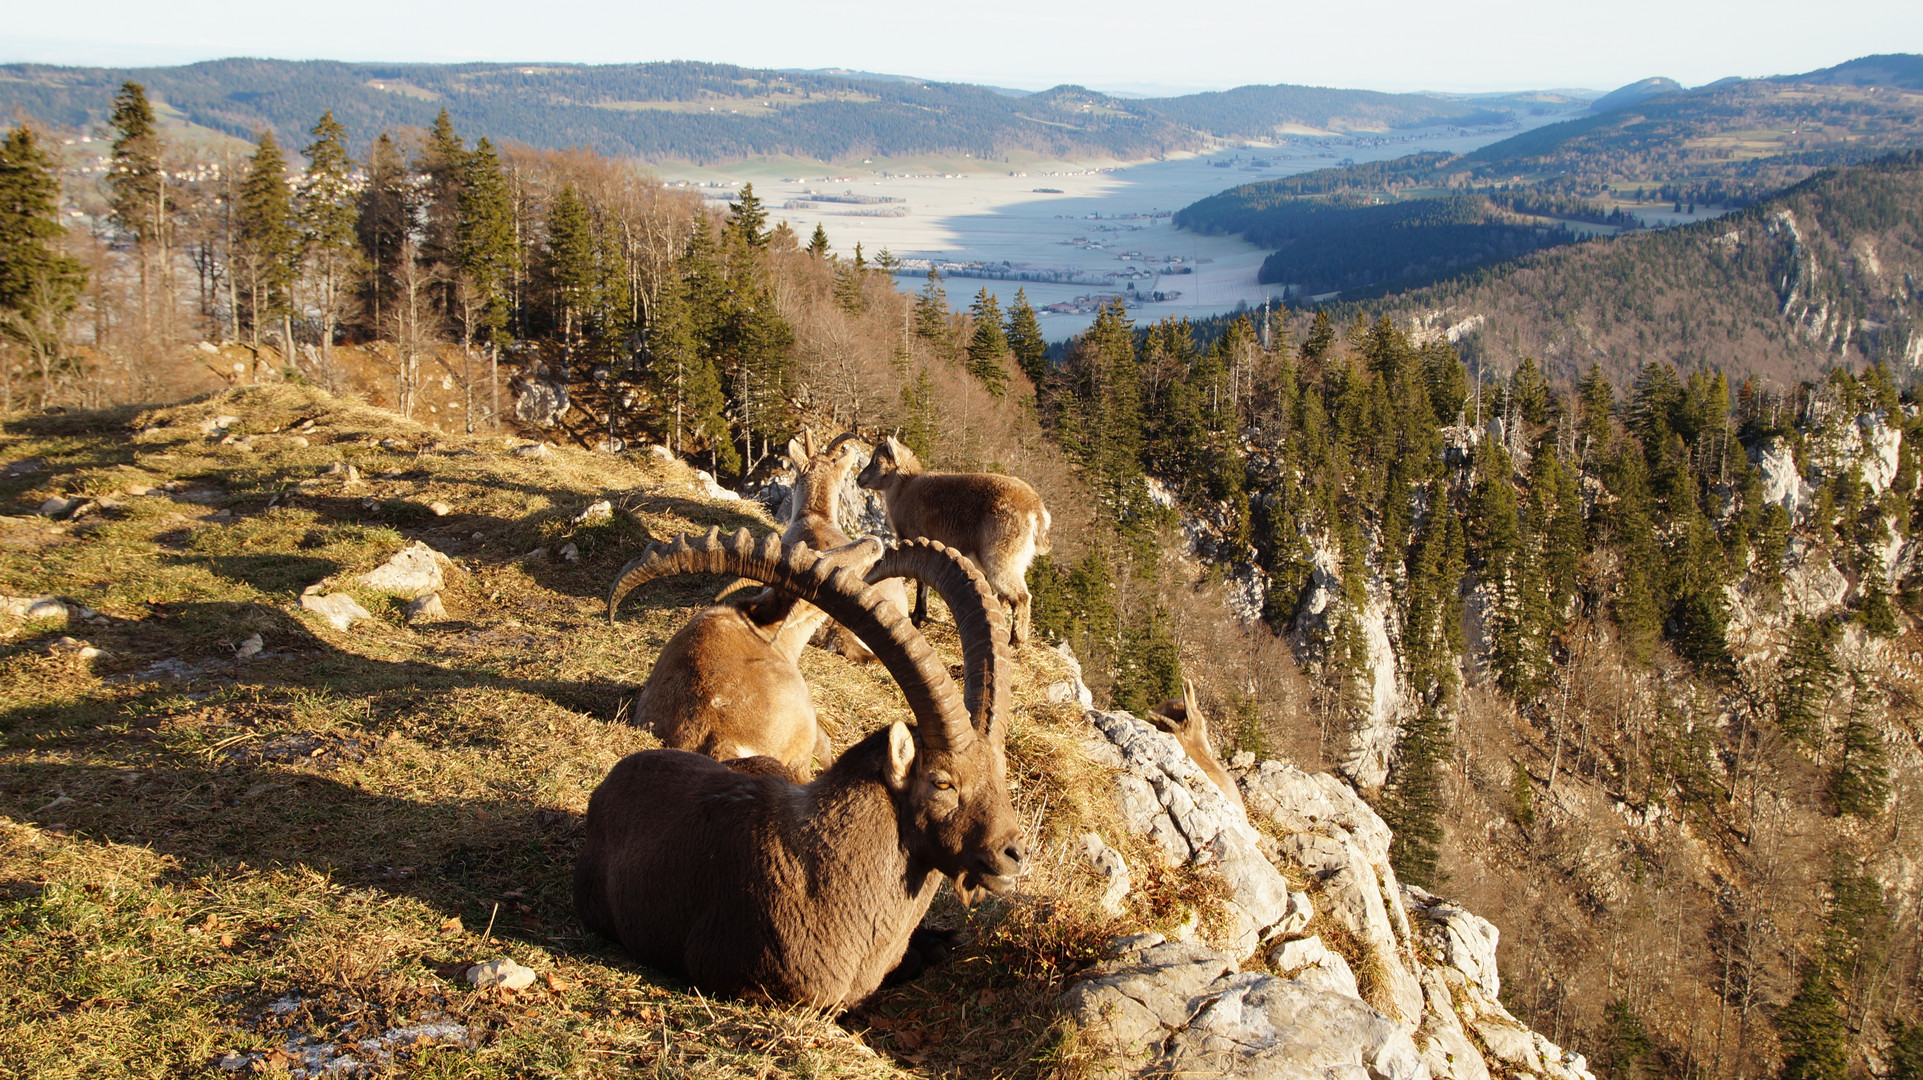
[
  {"x": 818, "y": 242},
  {"x": 1811, "y": 1029},
  {"x": 988, "y": 345},
  {"x": 328, "y": 217},
  {"x": 443, "y": 166},
  {"x": 747, "y": 220},
  {"x": 39, "y": 284},
  {"x": 1025, "y": 340},
  {"x": 486, "y": 252},
  {"x": 571, "y": 264},
  {"x": 387, "y": 207},
  {"x": 268, "y": 241},
  {"x": 1860, "y": 782},
  {"x": 138, "y": 197}
]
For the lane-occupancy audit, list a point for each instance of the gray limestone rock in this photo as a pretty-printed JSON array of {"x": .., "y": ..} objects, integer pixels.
[
  {"x": 1260, "y": 1027},
  {"x": 1165, "y": 796},
  {"x": 415, "y": 570},
  {"x": 339, "y": 609}
]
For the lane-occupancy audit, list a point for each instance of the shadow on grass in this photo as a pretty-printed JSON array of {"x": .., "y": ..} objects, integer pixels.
[{"x": 217, "y": 771}]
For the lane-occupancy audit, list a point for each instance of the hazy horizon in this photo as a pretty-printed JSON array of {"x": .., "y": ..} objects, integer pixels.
[{"x": 1134, "y": 48}]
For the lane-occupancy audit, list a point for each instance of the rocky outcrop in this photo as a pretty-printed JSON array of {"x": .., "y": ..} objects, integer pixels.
[
  {"x": 1406, "y": 989},
  {"x": 1164, "y": 796}
]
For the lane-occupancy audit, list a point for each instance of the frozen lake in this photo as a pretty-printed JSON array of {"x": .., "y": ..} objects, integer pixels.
[{"x": 1102, "y": 228}]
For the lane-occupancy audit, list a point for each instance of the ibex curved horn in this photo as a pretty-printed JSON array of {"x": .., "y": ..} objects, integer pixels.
[
  {"x": 826, "y": 581},
  {"x": 978, "y": 621}
]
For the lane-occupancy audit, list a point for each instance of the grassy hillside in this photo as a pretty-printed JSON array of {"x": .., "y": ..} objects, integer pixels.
[
  {"x": 207, "y": 856},
  {"x": 706, "y": 113}
]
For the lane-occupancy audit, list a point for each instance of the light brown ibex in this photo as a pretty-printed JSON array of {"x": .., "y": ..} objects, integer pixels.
[
  {"x": 751, "y": 884},
  {"x": 816, "y": 520},
  {"x": 998, "y": 521},
  {"x": 1183, "y": 719},
  {"x": 727, "y": 685}
]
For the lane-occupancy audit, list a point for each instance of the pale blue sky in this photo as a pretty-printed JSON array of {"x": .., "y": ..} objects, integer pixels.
[{"x": 1141, "y": 45}]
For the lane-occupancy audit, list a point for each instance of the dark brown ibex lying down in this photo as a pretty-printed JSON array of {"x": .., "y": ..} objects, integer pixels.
[
  {"x": 1183, "y": 719},
  {"x": 727, "y": 685},
  {"x": 752, "y": 884},
  {"x": 998, "y": 521}
]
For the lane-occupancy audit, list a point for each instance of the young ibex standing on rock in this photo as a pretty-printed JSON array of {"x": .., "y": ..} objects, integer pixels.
[
  {"x": 1183, "y": 719},
  {"x": 998, "y": 521},
  {"x": 727, "y": 685},
  {"x": 818, "y": 477},
  {"x": 743, "y": 882}
]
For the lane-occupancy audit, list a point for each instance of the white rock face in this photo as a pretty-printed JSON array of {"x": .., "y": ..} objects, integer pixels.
[
  {"x": 1165, "y": 796},
  {"x": 1783, "y": 483},
  {"x": 1161, "y": 1008},
  {"x": 415, "y": 570},
  {"x": 1072, "y": 688},
  {"x": 1882, "y": 446}
]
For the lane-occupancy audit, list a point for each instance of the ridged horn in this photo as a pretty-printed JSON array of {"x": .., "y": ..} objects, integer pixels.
[
  {"x": 831, "y": 581},
  {"x": 978, "y": 620},
  {"x": 839, "y": 439}
]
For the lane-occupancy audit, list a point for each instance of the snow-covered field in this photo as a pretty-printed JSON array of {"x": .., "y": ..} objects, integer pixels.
[{"x": 1105, "y": 225}]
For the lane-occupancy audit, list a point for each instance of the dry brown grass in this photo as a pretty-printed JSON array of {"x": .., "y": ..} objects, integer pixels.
[{"x": 346, "y": 821}]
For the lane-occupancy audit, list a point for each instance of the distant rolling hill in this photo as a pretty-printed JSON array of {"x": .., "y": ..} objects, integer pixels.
[
  {"x": 1368, "y": 229},
  {"x": 711, "y": 113},
  {"x": 1830, "y": 271}
]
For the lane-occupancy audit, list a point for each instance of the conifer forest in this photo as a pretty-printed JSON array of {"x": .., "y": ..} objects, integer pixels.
[{"x": 1618, "y": 635}]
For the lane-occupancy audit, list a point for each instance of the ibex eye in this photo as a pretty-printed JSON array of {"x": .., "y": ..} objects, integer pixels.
[{"x": 944, "y": 785}]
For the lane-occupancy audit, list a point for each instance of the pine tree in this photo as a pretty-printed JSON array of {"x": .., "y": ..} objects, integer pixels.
[
  {"x": 818, "y": 243},
  {"x": 1598, "y": 399},
  {"x": 486, "y": 255},
  {"x": 267, "y": 239},
  {"x": 138, "y": 201},
  {"x": 747, "y": 220},
  {"x": 1906, "y": 1051},
  {"x": 443, "y": 166},
  {"x": 1624, "y": 1044},
  {"x": 988, "y": 345},
  {"x": 1448, "y": 386},
  {"x": 848, "y": 285},
  {"x": 1529, "y": 392},
  {"x": 1803, "y": 678},
  {"x": 1811, "y": 1029},
  {"x": 1321, "y": 336},
  {"x": 572, "y": 263},
  {"x": 1413, "y": 803},
  {"x": 328, "y": 220},
  {"x": 1025, "y": 340},
  {"x": 39, "y": 286},
  {"x": 682, "y": 377},
  {"x": 919, "y": 428},
  {"x": 1860, "y": 783},
  {"x": 135, "y": 180},
  {"x": 931, "y": 313},
  {"x": 384, "y": 222}
]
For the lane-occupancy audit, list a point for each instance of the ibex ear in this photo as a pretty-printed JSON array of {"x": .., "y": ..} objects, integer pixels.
[
  {"x": 901, "y": 755},
  {"x": 796, "y": 455},
  {"x": 1189, "y": 704}
]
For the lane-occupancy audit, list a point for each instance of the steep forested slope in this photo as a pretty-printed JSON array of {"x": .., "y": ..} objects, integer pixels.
[{"x": 1828, "y": 272}]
